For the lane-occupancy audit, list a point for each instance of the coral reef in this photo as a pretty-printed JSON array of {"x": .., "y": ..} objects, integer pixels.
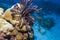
[{"x": 18, "y": 22}]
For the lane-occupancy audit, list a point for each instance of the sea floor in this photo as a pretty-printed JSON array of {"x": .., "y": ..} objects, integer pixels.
[{"x": 52, "y": 34}]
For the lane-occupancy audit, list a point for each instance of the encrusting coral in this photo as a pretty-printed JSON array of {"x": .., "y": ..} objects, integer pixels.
[
  {"x": 16, "y": 22},
  {"x": 4, "y": 25}
]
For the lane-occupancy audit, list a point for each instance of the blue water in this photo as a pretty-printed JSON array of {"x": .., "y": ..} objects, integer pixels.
[{"x": 51, "y": 7}]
